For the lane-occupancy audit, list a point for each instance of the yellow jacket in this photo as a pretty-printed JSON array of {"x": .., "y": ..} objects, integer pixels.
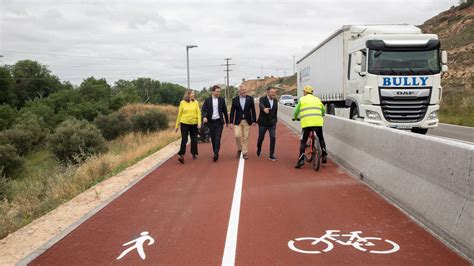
[
  {"x": 189, "y": 113},
  {"x": 311, "y": 111}
]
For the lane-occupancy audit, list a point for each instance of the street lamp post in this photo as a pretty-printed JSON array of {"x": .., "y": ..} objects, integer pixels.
[{"x": 187, "y": 60}]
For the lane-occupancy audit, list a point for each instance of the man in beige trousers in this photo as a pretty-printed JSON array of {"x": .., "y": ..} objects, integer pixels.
[{"x": 242, "y": 116}]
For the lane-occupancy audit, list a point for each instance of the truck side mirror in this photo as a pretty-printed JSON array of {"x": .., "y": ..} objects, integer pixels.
[
  {"x": 358, "y": 59},
  {"x": 444, "y": 57}
]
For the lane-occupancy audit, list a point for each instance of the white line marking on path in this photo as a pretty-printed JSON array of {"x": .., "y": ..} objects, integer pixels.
[{"x": 233, "y": 227}]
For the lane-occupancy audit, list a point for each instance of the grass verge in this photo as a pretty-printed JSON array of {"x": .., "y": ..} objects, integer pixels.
[{"x": 45, "y": 184}]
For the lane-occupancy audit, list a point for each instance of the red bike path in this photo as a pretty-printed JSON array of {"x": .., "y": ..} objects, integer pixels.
[{"x": 186, "y": 209}]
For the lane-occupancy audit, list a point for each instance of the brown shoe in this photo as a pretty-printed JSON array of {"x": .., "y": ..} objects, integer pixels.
[
  {"x": 245, "y": 156},
  {"x": 238, "y": 154}
]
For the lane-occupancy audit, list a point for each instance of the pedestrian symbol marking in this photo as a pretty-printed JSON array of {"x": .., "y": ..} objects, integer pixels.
[
  {"x": 138, "y": 245},
  {"x": 317, "y": 245}
]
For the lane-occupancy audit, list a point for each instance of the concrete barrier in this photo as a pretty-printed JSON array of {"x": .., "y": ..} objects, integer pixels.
[{"x": 431, "y": 179}]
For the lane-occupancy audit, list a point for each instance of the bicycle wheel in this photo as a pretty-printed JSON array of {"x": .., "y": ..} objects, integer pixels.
[
  {"x": 310, "y": 245},
  {"x": 374, "y": 243},
  {"x": 316, "y": 154}
]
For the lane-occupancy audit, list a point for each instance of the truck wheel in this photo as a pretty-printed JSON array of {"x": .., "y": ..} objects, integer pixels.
[
  {"x": 418, "y": 130},
  {"x": 332, "y": 109},
  {"x": 354, "y": 113}
]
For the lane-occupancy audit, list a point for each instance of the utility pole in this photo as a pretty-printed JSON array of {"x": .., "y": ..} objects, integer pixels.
[
  {"x": 1, "y": 58},
  {"x": 225, "y": 90},
  {"x": 227, "y": 70}
]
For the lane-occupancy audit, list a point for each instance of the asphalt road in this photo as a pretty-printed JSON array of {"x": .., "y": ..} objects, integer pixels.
[
  {"x": 464, "y": 134},
  {"x": 253, "y": 212},
  {"x": 454, "y": 132}
]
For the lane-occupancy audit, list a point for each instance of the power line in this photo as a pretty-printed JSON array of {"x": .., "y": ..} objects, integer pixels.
[{"x": 74, "y": 55}]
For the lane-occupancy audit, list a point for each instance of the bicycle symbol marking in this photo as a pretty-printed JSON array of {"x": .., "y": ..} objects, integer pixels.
[{"x": 354, "y": 239}]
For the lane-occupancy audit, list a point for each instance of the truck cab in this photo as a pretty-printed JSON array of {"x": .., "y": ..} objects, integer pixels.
[
  {"x": 394, "y": 76},
  {"x": 387, "y": 75}
]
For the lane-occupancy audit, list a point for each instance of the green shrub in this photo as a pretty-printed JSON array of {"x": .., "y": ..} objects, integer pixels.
[
  {"x": 28, "y": 133},
  {"x": 113, "y": 126},
  {"x": 4, "y": 189},
  {"x": 21, "y": 139},
  {"x": 150, "y": 121},
  {"x": 35, "y": 125},
  {"x": 75, "y": 140},
  {"x": 7, "y": 116},
  {"x": 42, "y": 110},
  {"x": 10, "y": 161}
]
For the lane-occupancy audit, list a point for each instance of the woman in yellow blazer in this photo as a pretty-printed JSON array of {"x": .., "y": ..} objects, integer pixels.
[{"x": 189, "y": 120}]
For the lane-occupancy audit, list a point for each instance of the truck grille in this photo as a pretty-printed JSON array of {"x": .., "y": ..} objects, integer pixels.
[{"x": 404, "y": 109}]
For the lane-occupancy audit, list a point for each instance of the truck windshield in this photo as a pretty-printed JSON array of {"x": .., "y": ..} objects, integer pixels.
[{"x": 383, "y": 62}]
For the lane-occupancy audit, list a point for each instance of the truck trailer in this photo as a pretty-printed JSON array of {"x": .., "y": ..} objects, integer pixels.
[{"x": 387, "y": 75}]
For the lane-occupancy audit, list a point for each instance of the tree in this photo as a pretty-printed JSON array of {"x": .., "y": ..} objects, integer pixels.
[
  {"x": 148, "y": 90},
  {"x": 41, "y": 109},
  {"x": 95, "y": 90},
  {"x": 7, "y": 87},
  {"x": 171, "y": 93},
  {"x": 123, "y": 92},
  {"x": 33, "y": 80}
]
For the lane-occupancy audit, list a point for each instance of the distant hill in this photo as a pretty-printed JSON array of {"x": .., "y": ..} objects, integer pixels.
[
  {"x": 258, "y": 87},
  {"x": 455, "y": 28}
]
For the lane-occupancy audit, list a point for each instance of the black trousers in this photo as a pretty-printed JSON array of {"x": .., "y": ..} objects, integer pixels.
[
  {"x": 261, "y": 136},
  {"x": 192, "y": 130},
  {"x": 304, "y": 138},
  {"x": 215, "y": 130}
]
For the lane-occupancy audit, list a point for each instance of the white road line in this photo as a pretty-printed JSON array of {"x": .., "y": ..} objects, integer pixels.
[
  {"x": 451, "y": 125},
  {"x": 233, "y": 227},
  {"x": 456, "y": 140}
]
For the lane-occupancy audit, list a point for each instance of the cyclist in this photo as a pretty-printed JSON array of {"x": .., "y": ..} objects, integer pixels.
[{"x": 311, "y": 111}]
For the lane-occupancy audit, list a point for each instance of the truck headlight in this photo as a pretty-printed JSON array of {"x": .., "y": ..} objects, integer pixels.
[
  {"x": 373, "y": 115},
  {"x": 433, "y": 115}
]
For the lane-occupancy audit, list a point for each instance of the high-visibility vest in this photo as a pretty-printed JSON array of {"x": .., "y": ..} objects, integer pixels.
[{"x": 311, "y": 111}]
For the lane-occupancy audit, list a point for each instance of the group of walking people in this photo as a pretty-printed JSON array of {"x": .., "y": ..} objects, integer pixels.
[{"x": 243, "y": 115}]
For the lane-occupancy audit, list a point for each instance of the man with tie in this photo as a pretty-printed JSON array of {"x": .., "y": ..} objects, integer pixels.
[
  {"x": 242, "y": 115},
  {"x": 214, "y": 112},
  {"x": 267, "y": 121}
]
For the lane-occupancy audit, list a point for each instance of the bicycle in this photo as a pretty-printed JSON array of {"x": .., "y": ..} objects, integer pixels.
[
  {"x": 355, "y": 240},
  {"x": 313, "y": 151}
]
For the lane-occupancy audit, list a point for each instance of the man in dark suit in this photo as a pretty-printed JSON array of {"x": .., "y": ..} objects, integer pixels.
[
  {"x": 267, "y": 121},
  {"x": 242, "y": 115},
  {"x": 214, "y": 112}
]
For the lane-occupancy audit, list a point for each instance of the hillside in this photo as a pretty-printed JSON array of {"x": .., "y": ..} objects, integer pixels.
[
  {"x": 284, "y": 85},
  {"x": 455, "y": 28}
]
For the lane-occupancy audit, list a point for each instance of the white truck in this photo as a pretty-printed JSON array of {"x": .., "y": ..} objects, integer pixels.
[{"x": 387, "y": 75}]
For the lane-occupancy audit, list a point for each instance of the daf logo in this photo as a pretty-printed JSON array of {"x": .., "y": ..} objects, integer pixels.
[{"x": 405, "y": 93}]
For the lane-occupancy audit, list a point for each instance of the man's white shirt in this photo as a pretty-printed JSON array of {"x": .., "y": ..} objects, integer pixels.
[{"x": 215, "y": 108}]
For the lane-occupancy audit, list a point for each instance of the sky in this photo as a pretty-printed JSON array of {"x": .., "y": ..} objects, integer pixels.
[{"x": 126, "y": 39}]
